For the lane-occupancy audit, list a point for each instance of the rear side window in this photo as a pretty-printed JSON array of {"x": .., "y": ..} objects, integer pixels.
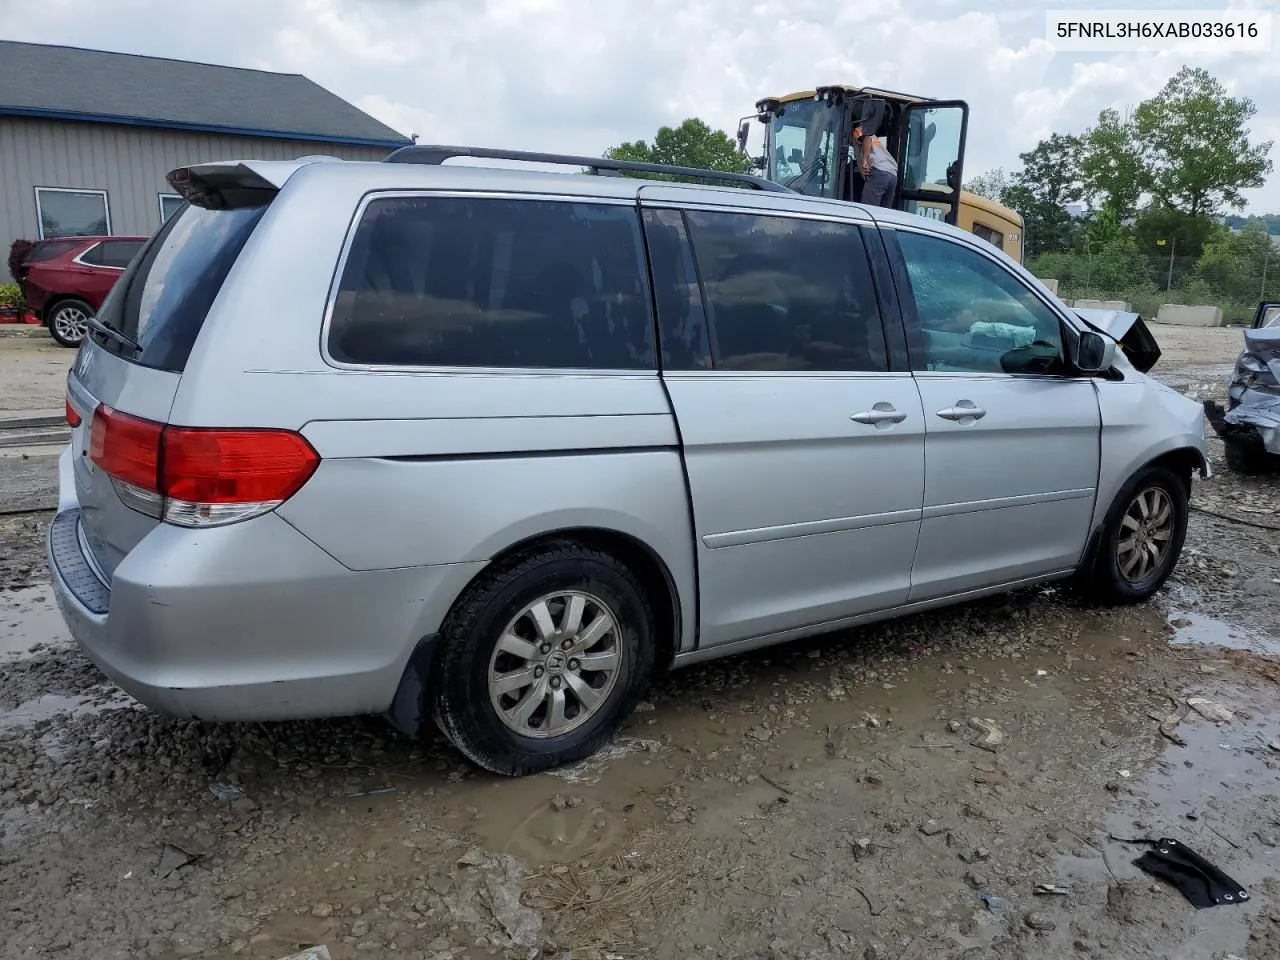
[
  {"x": 114, "y": 253},
  {"x": 93, "y": 255},
  {"x": 491, "y": 282},
  {"x": 162, "y": 299},
  {"x": 785, "y": 293}
]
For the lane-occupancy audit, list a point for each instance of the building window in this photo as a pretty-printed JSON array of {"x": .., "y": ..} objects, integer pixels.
[
  {"x": 72, "y": 213},
  {"x": 169, "y": 205}
]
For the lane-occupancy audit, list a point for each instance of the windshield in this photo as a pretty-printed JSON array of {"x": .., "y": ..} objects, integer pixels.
[{"x": 801, "y": 147}]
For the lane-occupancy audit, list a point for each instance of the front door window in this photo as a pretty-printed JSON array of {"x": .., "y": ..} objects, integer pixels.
[{"x": 973, "y": 315}]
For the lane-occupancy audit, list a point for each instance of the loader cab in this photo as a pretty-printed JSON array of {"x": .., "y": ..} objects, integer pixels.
[{"x": 809, "y": 145}]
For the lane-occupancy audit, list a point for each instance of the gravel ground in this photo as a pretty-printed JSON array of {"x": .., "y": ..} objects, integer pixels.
[{"x": 826, "y": 799}]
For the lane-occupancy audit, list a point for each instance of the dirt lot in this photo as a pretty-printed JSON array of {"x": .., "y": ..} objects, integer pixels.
[
  {"x": 33, "y": 370},
  {"x": 825, "y": 799}
]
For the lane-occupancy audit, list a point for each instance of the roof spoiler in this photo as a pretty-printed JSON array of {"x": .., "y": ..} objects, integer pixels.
[{"x": 229, "y": 184}]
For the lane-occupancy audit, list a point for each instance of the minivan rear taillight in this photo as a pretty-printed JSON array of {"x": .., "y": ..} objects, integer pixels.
[{"x": 199, "y": 476}]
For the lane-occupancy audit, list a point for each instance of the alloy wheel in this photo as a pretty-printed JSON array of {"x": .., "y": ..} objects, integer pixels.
[
  {"x": 555, "y": 664},
  {"x": 71, "y": 323},
  {"x": 1146, "y": 534}
]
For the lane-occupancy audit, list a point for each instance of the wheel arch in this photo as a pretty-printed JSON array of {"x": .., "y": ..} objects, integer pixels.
[
  {"x": 406, "y": 713},
  {"x": 1184, "y": 461},
  {"x": 640, "y": 557},
  {"x": 56, "y": 300}
]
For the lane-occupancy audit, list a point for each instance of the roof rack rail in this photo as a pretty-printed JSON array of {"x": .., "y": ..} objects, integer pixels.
[{"x": 437, "y": 154}]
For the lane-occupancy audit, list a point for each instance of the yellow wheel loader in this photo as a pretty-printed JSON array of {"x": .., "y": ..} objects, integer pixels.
[{"x": 809, "y": 147}]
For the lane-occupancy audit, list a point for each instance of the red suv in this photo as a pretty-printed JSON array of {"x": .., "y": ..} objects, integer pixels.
[{"x": 65, "y": 280}]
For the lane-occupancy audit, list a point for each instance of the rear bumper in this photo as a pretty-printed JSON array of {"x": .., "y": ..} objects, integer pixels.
[{"x": 247, "y": 622}]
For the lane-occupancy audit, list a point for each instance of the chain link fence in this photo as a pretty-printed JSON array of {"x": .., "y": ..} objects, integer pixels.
[{"x": 1235, "y": 285}]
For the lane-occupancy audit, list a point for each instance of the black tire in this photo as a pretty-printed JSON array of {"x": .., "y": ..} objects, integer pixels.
[
  {"x": 60, "y": 319},
  {"x": 1247, "y": 455},
  {"x": 1105, "y": 582},
  {"x": 459, "y": 699}
]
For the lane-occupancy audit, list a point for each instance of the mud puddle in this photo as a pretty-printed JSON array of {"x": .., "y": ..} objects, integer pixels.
[
  {"x": 1190, "y": 625},
  {"x": 50, "y": 705},
  {"x": 30, "y": 621}
]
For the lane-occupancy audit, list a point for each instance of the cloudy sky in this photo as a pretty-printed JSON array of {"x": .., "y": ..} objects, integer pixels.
[{"x": 581, "y": 75}]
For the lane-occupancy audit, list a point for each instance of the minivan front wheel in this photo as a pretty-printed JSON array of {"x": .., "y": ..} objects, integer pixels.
[
  {"x": 69, "y": 322},
  {"x": 1142, "y": 538},
  {"x": 543, "y": 659}
]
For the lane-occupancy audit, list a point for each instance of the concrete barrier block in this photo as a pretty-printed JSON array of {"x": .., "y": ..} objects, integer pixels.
[
  {"x": 1120, "y": 305},
  {"x": 1184, "y": 316},
  {"x": 1051, "y": 284}
]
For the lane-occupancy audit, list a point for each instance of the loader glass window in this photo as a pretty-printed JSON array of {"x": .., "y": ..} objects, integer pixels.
[
  {"x": 801, "y": 147},
  {"x": 993, "y": 237},
  {"x": 787, "y": 294},
  {"x": 472, "y": 282}
]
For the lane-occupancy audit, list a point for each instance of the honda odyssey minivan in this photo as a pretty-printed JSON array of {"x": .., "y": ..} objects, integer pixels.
[{"x": 490, "y": 446}]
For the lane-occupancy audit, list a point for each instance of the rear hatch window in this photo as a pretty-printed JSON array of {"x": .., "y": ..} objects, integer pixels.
[
  {"x": 48, "y": 249},
  {"x": 162, "y": 299}
]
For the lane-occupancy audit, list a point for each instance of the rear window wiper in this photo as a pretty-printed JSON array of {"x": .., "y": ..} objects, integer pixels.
[{"x": 111, "y": 333}]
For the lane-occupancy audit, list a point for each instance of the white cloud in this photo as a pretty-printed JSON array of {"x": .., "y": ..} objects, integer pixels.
[{"x": 581, "y": 75}]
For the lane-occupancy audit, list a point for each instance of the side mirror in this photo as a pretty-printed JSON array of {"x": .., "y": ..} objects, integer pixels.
[
  {"x": 744, "y": 129},
  {"x": 1094, "y": 353}
]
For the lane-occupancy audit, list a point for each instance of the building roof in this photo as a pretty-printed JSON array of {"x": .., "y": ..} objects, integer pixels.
[{"x": 72, "y": 83}]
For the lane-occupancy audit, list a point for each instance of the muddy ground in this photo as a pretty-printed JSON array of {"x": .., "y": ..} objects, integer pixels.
[{"x": 832, "y": 798}]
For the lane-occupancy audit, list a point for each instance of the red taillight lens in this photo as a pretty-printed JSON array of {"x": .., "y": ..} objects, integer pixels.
[
  {"x": 206, "y": 466},
  {"x": 73, "y": 418},
  {"x": 125, "y": 447},
  {"x": 202, "y": 474}
]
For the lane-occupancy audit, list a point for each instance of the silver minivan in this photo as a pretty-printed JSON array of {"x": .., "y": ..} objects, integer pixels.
[{"x": 489, "y": 446}]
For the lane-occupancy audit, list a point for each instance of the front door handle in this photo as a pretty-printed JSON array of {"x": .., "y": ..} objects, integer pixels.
[
  {"x": 880, "y": 413},
  {"x": 964, "y": 410}
]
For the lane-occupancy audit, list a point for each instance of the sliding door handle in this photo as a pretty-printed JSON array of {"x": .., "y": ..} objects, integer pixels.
[
  {"x": 880, "y": 413},
  {"x": 962, "y": 411}
]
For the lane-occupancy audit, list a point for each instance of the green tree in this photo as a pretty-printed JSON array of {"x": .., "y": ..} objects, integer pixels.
[
  {"x": 1050, "y": 178},
  {"x": 1184, "y": 238},
  {"x": 692, "y": 144},
  {"x": 993, "y": 185},
  {"x": 1104, "y": 228},
  {"x": 1233, "y": 265},
  {"x": 1195, "y": 147},
  {"x": 1111, "y": 165}
]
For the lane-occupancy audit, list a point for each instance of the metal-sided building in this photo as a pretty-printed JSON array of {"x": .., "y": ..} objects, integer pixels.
[{"x": 87, "y": 136}]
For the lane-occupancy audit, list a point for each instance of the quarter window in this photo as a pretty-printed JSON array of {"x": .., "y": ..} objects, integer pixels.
[
  {"x": 975, "y": 316},
  {"x": 785, "y": 293},
  {"x": 488, "y": 282},
  {"x": 112, "y": 253},
  {"x": 681, "y": 317},
  {"x": 72, "y": 213}
]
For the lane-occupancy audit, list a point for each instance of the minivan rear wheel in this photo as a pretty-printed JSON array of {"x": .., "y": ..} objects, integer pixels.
[
  {"x": 1141, "y": 539},
  {"x": 69, "y": 322},
  {"x": 543, "y": 659}
]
